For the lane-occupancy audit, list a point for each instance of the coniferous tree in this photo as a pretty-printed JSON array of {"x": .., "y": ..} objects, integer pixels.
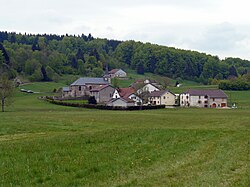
[
  {"x": 233, "y": 71},
  {"x": 6, "y": 56},
  {"x": 140, "y": 69},
  {"x": 44, "y": 73},
  {"x": 80, "y": 55}
]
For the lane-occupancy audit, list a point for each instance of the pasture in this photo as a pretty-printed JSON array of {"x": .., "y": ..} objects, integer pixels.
[{"x": 42, "y": 144}]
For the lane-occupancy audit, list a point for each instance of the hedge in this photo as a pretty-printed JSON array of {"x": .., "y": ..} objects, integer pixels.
[{"x": 103, "y": 107}]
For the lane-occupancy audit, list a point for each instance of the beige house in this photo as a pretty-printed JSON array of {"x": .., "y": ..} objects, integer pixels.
[
  {"x": 163, "y": 97},
  {"x": 103, "y": 93},
  {"x": 203, "y": 98}
]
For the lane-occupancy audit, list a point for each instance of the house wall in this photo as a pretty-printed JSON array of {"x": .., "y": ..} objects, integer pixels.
[
  {"x": 76, "y": 92},
  {"x": 120, "y": 73},
  {"x": 65, "y": 94},
  {"x": 85, "y": 90},
  {"x": 220, "y": 102},
  {"x": 155, "y": 100},
  {"x": 150, "y": 88},
  {"x": 200, "y": 101},
  {"x": 120, "y": 103},
  {"x": 96, "y": 95},
  {"x": 106, "y": 94},
  {"x": 116, "y": 94},
  {"x": 185, "y": 100},
  {"x": 168, "y": 99},
  {"x": 136, "y": 99}
]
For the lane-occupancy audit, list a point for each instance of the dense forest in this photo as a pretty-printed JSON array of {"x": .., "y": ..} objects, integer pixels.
[{"x": 46, "y": 57}]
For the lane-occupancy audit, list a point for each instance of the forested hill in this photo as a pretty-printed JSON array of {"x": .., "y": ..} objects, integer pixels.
[{"x": 47, "y": 57}]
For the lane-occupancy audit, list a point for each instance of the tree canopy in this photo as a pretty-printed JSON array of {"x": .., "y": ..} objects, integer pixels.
[{"x": 46, "y": 57}]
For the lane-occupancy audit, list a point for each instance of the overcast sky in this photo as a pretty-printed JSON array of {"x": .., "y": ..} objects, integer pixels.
[{"x": 218, "y": 27}]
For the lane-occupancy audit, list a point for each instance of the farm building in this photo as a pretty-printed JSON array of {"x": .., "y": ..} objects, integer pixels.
[{"x": 203, "y": 98}]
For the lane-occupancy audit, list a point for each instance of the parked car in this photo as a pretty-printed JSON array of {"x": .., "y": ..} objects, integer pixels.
[{"x": 30, "y": 91}]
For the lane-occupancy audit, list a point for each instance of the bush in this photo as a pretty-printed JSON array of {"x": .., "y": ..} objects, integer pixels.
[
  {"x": 234, "y": 85},
  {"x": 92, "y": 100},
  {"x": 102, "y": 107}
]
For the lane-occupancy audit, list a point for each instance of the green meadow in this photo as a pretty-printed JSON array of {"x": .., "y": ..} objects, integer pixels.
[{"x": 42, "y": 144}]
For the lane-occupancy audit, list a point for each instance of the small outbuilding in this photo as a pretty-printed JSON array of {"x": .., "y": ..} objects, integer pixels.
[{"x": 120, "y": 102}]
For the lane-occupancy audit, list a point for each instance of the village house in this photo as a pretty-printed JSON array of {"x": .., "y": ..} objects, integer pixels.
[
  {"x": 145, "y": 86},
  {"x": 130, "y": 94},
  {"x": 203, "y": 98},
  {"x": 119, "y": 73},
  {"x": 103, "y": 93},
  {"x": 149, "y": 87},
  {"x": 163, "y": 97},
  {"x": 82, "y": 86}
]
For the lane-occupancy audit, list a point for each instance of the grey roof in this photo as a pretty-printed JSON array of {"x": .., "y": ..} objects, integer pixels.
[
  {"x": 89, "y": 80},
  {"x": 159, "y": 93},
  {"x": 211, "y": 93},
  {"x": 100, "y": 88},
  {"x": 120, "y": 98},
  {"x": 66, "y": 89}
]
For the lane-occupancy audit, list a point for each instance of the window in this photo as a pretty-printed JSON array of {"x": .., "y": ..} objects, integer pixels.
[
  {"x": 199, "y": 102},
  {"x": 80, "y": 88},
  {"x": 164, "y": 97},
  {"x": 90, "y": 87},
  {"x": 199, "y": 97},
  {"x": 213, "y": 99},
  {"x": 205, "y": 96},
  {"x": 205, "y": 101},
  {"x": 187, "y": 97}
]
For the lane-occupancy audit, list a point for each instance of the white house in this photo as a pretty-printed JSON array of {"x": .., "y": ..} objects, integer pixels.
[
  {"x": 117, "y": 73},
  {"x": 149, "y": 87},
  {"x": 203, "y": 98}
]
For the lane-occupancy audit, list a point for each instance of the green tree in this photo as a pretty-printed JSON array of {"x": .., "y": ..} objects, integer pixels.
[{"x": 233, "y": 72}]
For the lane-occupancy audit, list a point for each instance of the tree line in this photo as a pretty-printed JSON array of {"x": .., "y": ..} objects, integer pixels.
[{"x": 46, "y": 57}]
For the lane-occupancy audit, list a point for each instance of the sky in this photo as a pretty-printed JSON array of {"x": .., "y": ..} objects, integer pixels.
[{"x": 217, "y": 27}]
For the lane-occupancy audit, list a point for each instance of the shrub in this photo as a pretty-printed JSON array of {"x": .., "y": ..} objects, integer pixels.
[
  {"x": 234, "y": 85},
  {"x": 92, "y": 100},
  {"x": 102, "y": 107}
]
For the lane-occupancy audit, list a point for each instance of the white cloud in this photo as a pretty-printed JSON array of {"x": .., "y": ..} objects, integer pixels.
[{"x": 219, "y": 27}]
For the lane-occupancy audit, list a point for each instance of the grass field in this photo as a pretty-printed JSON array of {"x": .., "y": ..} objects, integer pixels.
[{"x": 42, "y": 144}]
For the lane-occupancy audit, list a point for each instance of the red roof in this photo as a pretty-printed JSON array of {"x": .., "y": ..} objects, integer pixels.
[{"x": 126, "y": 92}]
